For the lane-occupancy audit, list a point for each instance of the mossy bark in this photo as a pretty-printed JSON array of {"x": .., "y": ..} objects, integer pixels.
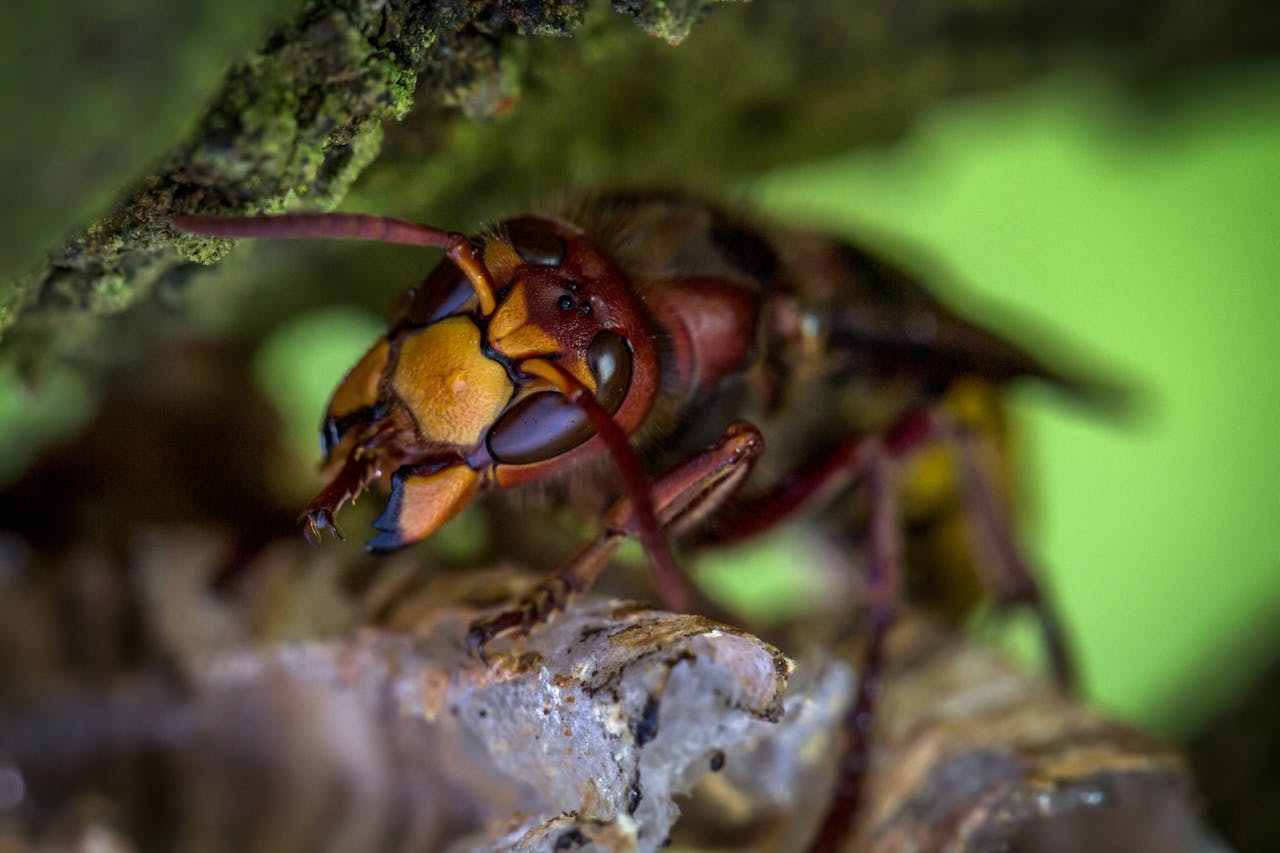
[{"x": 499, "y": 118}]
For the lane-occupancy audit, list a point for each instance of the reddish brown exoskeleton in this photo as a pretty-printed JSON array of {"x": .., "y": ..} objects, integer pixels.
[{"x": 655, "y": 326}]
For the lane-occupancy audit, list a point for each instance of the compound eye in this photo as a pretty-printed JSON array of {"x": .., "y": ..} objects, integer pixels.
[
  {"x": 535, "y": 243},
  {"x": 545, "y": 425},
  {"x": 609, "y": 358},
  {"x": 444, "y": 293}
]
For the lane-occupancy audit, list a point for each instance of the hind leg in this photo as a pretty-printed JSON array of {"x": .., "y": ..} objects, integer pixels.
[{"x": 1006, "y": 574}]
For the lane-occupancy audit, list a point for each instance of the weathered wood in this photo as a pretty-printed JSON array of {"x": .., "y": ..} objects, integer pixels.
[{"x": 303, "y": 717}]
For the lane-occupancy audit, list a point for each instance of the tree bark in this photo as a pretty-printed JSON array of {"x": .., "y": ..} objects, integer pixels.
[{"x": 300, "y": 117}]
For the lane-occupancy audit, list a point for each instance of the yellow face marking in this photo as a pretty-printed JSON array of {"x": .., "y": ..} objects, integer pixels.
[
  {"x": 513, "y": 314},
  {"x": 501, "y": 259},
  {"x": 360, "y": 387},
  {"x": 526, "y": 341},
  {"x": 451, "y": 389},
  {"x": 512, "y": 334}
]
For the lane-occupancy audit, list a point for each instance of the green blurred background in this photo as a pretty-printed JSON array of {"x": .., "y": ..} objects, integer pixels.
[
  {"x": 1146, "y": 234},
  {"x": 1150, "y": 239}
]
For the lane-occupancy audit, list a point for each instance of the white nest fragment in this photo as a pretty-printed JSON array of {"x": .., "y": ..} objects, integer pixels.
[{"x": 583, "y": 735}]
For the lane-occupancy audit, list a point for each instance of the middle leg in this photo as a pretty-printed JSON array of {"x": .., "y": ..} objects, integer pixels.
[{"x": 682, "y": 497}]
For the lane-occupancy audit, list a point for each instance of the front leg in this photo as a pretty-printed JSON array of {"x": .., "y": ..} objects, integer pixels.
[
  {"x": 357, "y": 471},
  {"x": 682, "y": 497}
]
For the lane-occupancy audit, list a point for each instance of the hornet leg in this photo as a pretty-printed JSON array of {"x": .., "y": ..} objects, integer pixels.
[{"x": 682, "y": 497}]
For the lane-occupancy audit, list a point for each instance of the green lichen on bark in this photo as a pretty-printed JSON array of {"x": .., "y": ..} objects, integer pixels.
[
  {"x": 293, "y": 126},
  {"x": 669, "y": 20},
  {"x": 500, "y": 120}
]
